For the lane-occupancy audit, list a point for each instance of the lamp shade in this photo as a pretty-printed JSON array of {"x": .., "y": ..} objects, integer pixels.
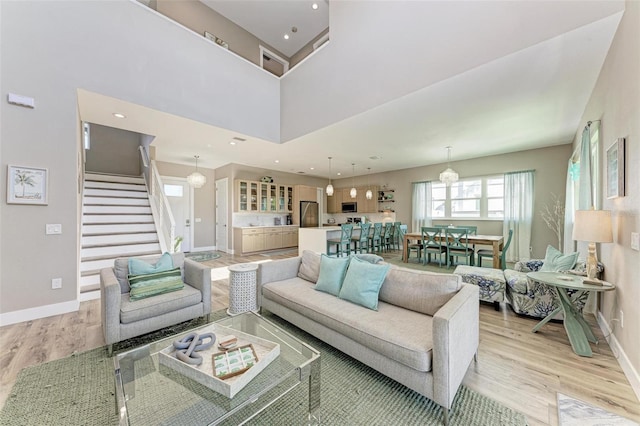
[{"x": 593, "y": 226}]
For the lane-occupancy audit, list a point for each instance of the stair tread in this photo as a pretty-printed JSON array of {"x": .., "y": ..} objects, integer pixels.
[
  {"x": 122, "y": 244},
  {"x": 111, "y": 256},
  {"x": 100, "y": 234}
]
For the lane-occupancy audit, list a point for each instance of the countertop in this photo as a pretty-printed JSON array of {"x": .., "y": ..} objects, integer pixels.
[{"x": 266, "y": 226}]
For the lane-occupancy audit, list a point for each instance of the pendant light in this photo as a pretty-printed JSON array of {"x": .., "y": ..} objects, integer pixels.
[
  {"x": 329, "y": 187},
  {"x": 354, "y": 192},
  {"x": 448, "y": 176},
  {"x": 196, "y": 179},
  {"x": 368, "y": 194}
]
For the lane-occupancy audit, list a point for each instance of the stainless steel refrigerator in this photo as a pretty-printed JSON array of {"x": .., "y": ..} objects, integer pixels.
[{"x": 308, "y": 214}]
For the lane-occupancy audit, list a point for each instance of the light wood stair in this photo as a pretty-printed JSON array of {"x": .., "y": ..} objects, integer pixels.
[{"x": 116, "y": 222}]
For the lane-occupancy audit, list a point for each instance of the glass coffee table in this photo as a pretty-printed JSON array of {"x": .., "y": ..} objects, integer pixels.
[{"x": 150, "y": 393}]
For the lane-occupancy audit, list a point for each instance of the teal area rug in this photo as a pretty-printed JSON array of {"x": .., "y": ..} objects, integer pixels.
[
  {"x": 79, "y": 390},
  {"x": 202, "y": 256}
]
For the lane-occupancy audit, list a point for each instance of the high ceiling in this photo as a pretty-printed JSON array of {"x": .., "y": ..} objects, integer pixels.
[
  {"x": 270, "y": 20},
  {"x": 529, "y": 95}
]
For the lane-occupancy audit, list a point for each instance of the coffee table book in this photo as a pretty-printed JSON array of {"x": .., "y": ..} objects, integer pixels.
[{"x": 265, "y": 350}]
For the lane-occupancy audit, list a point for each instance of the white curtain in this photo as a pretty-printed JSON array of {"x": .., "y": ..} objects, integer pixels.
[
  {"x": 569, "y": 246},
  {"x": 421, "y": 206},
  {"x": 585, "y": 198},
  {"x": 518, "y": 213}
]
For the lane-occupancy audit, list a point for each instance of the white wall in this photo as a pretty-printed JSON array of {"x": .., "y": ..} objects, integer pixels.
[{"x": 120, "y": 49}]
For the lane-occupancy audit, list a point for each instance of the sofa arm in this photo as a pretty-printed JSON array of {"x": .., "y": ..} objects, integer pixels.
[
  {"x": 277, "y": 270},
  {"x": 456, "y": 330},
  {"x": 110, "y": 295},
  {"x": 198, "y": 276}
]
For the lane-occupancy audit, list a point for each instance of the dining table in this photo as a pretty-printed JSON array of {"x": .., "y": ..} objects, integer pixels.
[{"x": 495, "y": 241}]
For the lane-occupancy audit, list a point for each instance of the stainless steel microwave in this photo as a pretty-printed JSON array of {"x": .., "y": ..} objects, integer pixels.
[{"x": 349, "y": 207}]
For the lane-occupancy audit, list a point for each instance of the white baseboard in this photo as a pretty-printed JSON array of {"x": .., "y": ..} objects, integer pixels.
[
  {"x": 629, "y": 371},
  {"x": 39, "y": 312}
]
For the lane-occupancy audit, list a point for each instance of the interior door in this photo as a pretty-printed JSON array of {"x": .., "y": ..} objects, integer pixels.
[
  {"x": 222, "y": 212},
  {"x": 178, "y": 194}
]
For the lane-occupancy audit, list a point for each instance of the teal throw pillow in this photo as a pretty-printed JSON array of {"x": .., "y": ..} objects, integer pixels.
[
  {"x": 140, "y": 267},
  {"x": 332, "y": 271},
  {"x": 369, "y": 257},
  {"x": 147, "y": 285},
  {"x": 362, "y": 283},
  {"x": 555, "y": 261}
]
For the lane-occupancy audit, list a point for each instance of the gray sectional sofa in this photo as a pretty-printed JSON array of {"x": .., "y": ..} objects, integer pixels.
[{"x": 424, "y": 333}]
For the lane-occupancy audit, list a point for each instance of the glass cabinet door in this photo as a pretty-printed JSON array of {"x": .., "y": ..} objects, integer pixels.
[
  {"x": 290, "y": 198},
  {"x": 273, "y": 198},
  {"x": 264, "y": 197},
  {"x": 254, "y": 196},
  {"x": 243, "y": 197},
  {"x": 282, "y": 198}
]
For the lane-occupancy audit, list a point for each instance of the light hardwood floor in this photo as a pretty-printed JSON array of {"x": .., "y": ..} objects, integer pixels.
[{"x": 520, "y": 369}]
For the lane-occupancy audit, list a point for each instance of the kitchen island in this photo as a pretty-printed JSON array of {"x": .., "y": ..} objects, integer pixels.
[{"x": 315, "y": 239}]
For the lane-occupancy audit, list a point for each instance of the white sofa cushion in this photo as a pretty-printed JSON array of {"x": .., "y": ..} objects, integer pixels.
[{"x": 397, "y": 333}]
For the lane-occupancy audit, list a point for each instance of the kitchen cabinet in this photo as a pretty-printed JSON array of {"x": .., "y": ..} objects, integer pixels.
[
  {"x": 334, "y": 202},
  {"x": 247, "y": 194},
  {"x": 368, "y": 206},
  {"x": 307, "y": 193},
  {"x": 272, "y": 238},
  {"x": 290, "y": 237},
  {"x": 262, "y": 197},
  {"x": 262, "y": 238}
]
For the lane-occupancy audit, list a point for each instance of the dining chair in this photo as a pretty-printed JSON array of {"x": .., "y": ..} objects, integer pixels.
[
  {"x": 458, "y": 245},
  {"x": 417, "y": 247},
  {"x": 343, "y": 244},
  {"x": 361, "y": 242},
  {"x": 432, "y": 244},
  {"x": 503, "y": 255},
  {"x": 387, "y": 237},
  {"x": 473, "y": 230},
  {"x": 397, "y": 241},
  {"x": 375, "y": 243}
]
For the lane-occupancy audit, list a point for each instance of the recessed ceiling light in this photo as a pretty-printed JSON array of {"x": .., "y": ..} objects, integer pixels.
[
  {"x": 312, "y": 168},
  {"x": 286, "y": 36},
  {"x": 208, "y": 145},
  {"x": 314, "y": 6},
  {"x": 339, "y": 174},
  {"x": 232, "y": 142},
  {"x": 276, "y": 161},
  {"x": 119, "y": 115}
]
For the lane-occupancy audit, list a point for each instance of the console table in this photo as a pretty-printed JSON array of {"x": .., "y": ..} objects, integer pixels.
[{"x": 578, "y": 330}]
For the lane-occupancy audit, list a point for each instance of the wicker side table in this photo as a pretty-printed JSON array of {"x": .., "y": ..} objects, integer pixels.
[{"x": 242, "y": 288}]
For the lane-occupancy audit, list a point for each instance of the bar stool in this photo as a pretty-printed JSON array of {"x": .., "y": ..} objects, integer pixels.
[
  {"x": 343, "y": 244},
  {"x": 362, "y": 241},
  {"x": 375, "y": 243}
]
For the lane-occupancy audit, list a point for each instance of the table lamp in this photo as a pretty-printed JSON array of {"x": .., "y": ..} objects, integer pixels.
[{"x": 593, "y": 226}]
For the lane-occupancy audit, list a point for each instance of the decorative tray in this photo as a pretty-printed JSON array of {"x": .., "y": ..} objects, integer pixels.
[{"x": 263, "y": 351}]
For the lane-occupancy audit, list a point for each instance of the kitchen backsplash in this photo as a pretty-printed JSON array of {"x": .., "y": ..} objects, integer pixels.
[{"x": 262, "y": 219}]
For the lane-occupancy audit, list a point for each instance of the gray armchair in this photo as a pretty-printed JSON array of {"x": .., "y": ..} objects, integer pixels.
[{"x": 123, "y": 319}]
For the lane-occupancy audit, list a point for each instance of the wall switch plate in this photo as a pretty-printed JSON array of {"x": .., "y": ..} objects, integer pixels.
[
  {"x": 635, "y": 241},
  {"x": 198, "y": 219},
  {"x": 56, "y": 283},
  {"x": 53, "y": 228}
]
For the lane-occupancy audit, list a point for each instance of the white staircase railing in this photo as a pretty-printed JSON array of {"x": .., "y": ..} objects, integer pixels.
[{"x": 162, "y": 216}]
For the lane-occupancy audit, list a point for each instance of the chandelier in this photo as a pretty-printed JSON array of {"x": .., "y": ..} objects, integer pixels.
[
  {"x": 329, "y": 187},
  {"x": 354, "y": 192},
  {"x": 448, "y": 176},
  {"x": 195, "y": 179}
]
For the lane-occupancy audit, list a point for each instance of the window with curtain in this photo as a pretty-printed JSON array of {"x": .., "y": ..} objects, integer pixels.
[
  {"x": 421, "y": 205},
  {"x": 518, "y": 213},
  {"x": 480, "y": 197}
]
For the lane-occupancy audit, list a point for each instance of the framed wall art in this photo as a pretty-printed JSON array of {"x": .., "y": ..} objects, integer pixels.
[
  {"x": 615, "y": 169},
  {"x": 27, "y": 185}
]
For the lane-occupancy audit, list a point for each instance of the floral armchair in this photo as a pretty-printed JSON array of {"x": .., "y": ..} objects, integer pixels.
[{"x": 535, "y": 299}]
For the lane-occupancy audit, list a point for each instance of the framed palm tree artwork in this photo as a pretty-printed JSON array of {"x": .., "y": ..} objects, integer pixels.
[{"x": 27, "y": 185}]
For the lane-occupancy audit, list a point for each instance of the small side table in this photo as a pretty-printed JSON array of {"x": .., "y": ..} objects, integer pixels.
[
  {"x": 242, "y": 288},
  {"x": 578, "y": 330}
]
